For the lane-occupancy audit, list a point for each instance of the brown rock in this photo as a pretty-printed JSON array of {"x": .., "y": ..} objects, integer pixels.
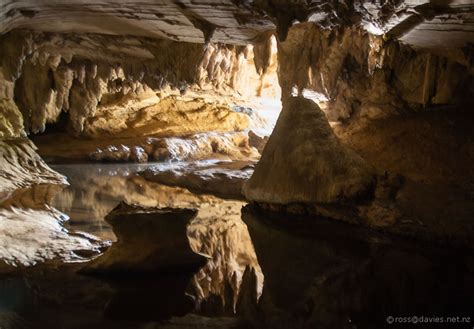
[
  {"x": 148, "y": 240},
  {"x": 257, "y": 141},
  {"x": 304, "y": 162}
]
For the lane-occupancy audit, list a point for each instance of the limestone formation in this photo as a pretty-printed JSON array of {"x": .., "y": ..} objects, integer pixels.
[
  {"x": 117, "y": 90},
  {"x": 148, "y": 240},
  {"x": 21, "y": 168},
  {"x": 31, "y": 231},
  {"x": 219, "y": 232},
  {"x": 360, "y": 77},
  {"x": 169, "y": 117},
  {"x": 237, "y": 22},
  {"x": 224, "y": 179},
  {"x": 257, "y": 141},
  {"x": 232, "y": 146},
  {"x": 304, "y": 162},
  {"x": 31, "y": 237}
]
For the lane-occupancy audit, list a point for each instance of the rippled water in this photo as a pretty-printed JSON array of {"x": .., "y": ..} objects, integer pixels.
[{"x": 304, "y": 272}]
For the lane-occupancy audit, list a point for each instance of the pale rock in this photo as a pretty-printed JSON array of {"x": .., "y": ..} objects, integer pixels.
[
  {"x": 224, "y": 179},
  {"x": 22, "y": 168},
  {"x": 230, "y": 146},
  {"x": 138, "y": 154},
  {"x": 112, "y": 90},
  {"x": 31, "y": 237},
  {"x": 361, "y": 77}
]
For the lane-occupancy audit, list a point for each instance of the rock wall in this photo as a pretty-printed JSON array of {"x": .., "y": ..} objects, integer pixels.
[
  {"x": 357, "y": 75},
  {"x": 23, "y": 169},
  {"x": 31, "y": 231},
  {"x": 402, "y": 109},
  {"x": 44, "y": 74}
]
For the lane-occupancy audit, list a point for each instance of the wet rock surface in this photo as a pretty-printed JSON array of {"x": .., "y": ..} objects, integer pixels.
[
  {"x": 333, "y": 283},
  {"x": 222, "y": 179},
  {"x": 168, "y": 81},
  {"x": 216, "y": 231},
  {"x": 31, "y": 237},
  {"x": 22, "y": 168},
  {"x": 211, "y": 145}
]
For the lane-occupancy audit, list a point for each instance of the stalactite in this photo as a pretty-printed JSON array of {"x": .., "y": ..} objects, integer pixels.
[{"x": 49, "y": 78}]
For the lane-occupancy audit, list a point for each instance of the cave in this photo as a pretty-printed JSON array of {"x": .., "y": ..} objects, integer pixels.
[{"x": 236, "y": 164}]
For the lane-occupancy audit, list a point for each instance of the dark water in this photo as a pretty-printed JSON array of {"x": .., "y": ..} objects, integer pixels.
[{"x": 265, "y": 271}]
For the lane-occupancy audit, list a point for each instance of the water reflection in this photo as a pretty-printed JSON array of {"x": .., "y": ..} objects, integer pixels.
[
  {"x": 95, "y": 189},
  {"x": 306, "y": 272},
  {"x": 216, "y": 231},
  {"x": 324, "y": 274}
]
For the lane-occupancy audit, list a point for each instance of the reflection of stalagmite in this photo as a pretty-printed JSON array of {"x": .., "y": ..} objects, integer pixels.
[
  {"x": 326, "y": 274},
  {"x": 148, "y": 240}
]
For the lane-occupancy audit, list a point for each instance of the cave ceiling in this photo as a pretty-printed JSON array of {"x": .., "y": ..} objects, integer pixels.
[{"x": 421, "y": 23}]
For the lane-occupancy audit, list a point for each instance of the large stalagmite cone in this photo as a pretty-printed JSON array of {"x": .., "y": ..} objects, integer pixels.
[{"x": 304, "y": 162}]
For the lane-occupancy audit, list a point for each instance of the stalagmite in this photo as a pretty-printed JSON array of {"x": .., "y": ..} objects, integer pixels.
[{"x": 304, "y": 162}]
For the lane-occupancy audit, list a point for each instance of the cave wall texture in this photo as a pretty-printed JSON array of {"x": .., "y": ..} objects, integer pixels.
[
  {"x": 46, "y": 73},
  {"x": 348, "y": 52}
]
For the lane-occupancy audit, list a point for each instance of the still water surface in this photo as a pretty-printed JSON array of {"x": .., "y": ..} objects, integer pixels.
[{"x": 304, "y": 272}]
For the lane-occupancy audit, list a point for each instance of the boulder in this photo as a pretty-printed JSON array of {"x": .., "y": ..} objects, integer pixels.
[
  {"x": 148, "y": 240},
  {"x": 111, "y": 153},
  {"x": 138, "y": 154},
  {"x": 257, "y": 141}
]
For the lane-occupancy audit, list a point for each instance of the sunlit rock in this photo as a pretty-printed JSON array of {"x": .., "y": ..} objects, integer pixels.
[
  {"x": 168, "y": 117},
  {"x": 219, "y": 232},
  {"x": 120, "y": 153},
  {"x": 226, "y": 146},
  {"x": 11, "y": 119},
  {"x": 304, "y": 162},
  {"x": 148, "y": 240},
  {"x": 137, "y": 87}
]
